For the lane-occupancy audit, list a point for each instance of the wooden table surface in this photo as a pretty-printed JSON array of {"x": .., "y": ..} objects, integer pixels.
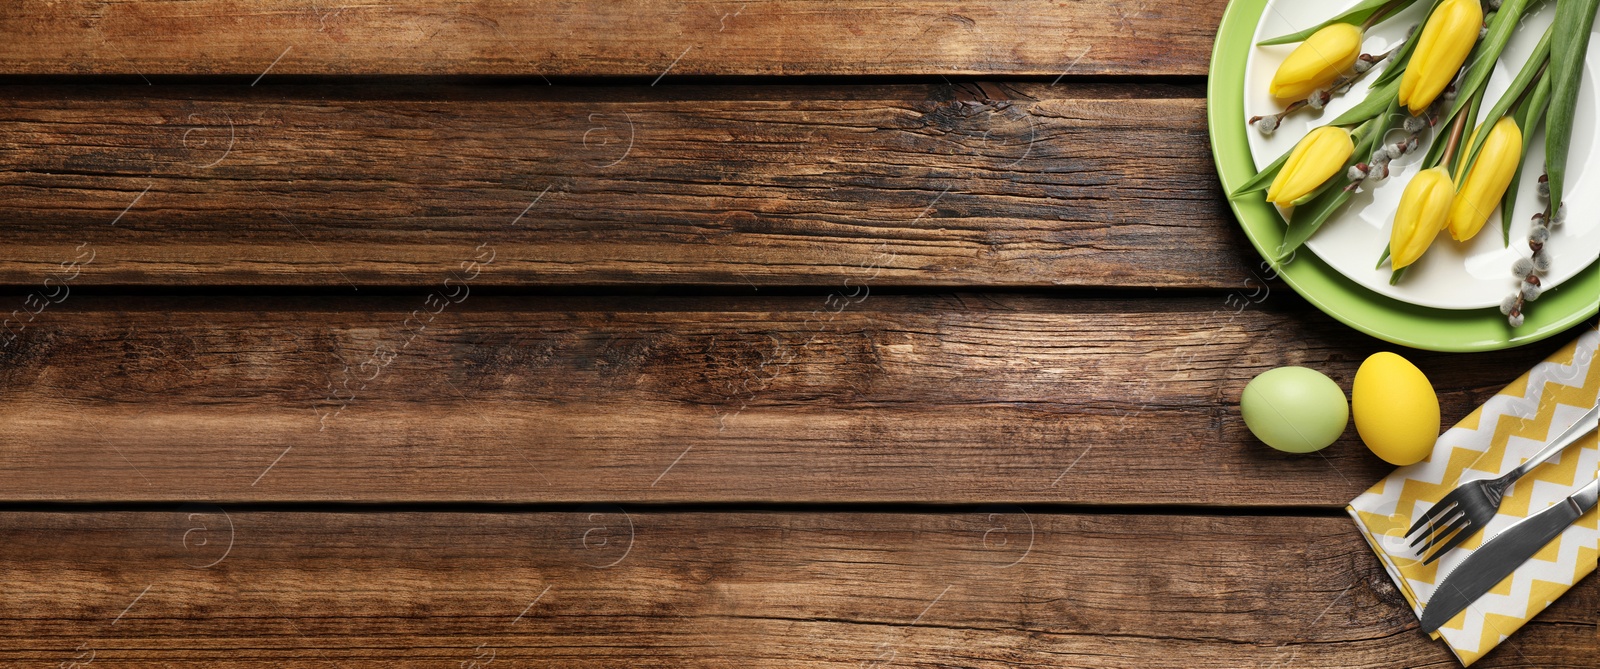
[{"x": 785, "y": 333}]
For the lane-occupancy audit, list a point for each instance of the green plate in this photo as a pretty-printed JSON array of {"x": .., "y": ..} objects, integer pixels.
[{"x": 1385, "y": 318}]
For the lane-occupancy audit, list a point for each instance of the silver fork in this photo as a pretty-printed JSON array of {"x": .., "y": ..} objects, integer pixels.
[{"x": 1473, "y": 504}]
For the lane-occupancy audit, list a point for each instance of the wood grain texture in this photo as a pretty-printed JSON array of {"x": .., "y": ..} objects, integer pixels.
[
  {"x": 606, "y": 587},
  {"x": 975, "y": 184},
  {"x": 645, "y": 39},
  {"x": 147, "y": 362},
  {"x": 959, "y": 398}
]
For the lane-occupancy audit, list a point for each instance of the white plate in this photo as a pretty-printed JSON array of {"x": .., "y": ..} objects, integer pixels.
[{"x": 1451, "y": 275}]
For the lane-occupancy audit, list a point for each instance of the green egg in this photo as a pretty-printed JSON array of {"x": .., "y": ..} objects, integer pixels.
[{"x": 1294, "y": 409}]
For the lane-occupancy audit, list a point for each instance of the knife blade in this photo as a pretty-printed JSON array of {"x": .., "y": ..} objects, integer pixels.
[{"x": 1498, "y": 557}]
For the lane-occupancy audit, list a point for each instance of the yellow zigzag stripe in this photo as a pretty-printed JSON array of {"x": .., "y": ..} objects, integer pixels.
[
  {"x": 1412, "y": 494},
  {"x": 1587, "y": 557},
  {"x": 1516, "y": 504},
  {"x": 1495, "y": 626},
  {"x": 1537, "y": 429},
  {"x": 1590, "y": 520}
]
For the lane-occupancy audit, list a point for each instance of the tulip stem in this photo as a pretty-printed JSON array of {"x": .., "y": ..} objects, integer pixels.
[
  {"x": 1454, "y": 139},
  {"x": 1383, "y": 13}
]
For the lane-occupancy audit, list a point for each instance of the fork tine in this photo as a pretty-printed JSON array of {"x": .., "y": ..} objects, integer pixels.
[
  {"x": 1434, "y": 529},
  {"x": 1456, "y": 525},
  {"x": 1449, "y": 502},
  {"x": 1460, "y": 537},
  {"x": 1442, "y": 542}
]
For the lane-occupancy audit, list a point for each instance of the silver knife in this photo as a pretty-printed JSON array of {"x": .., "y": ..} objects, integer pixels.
[{"x": 1498, "y": 557}]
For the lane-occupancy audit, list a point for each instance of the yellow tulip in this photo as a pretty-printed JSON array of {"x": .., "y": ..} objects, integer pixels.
[
  {"x": 1424, "y": 210},
  {"x": 1487, "y": 181},
  {"x": 1319, "y": 155},
  {"x": 1317, "y": 61},
  {"x": 1443, "y": 46}
]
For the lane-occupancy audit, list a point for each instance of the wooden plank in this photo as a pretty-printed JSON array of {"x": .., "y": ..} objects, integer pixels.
[
  {"x": 606, "y": 587},
  {"x": 652, "y": 38},
  {"x": 954, "y": 398},
  {"x": 980, "y": 184}
]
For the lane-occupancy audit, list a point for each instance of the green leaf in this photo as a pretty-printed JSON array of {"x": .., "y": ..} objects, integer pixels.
[
  {"x": 1530, "y": 69},
  {"x": 1436, "y": 149},
  {"x": 1305, "y": 220},
  {"x": 1397, "y": 65},
  {"x": 1370, "y": 133},
  {"x": 1574, "y": 18},
  {"x": 1487, "y": 53},
  {"x": 1400, "y": 60},
  {"x": 1363, "y": 134},
  {"x": 1394, "y": 278},
  {"x": 1528, "y": 116},
  {"x": 1263, "y": 179},
  {"x": 1536, "y": 104},
  {"x": 1506, "y": 207},
  {"x": 1385, "y": 257},
  {"x": 1356, "y": 16},
  {"x": 1378, "y": 98}
]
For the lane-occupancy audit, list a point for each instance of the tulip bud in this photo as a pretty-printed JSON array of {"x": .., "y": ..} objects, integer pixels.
[
  {"x": 1319, "y": 155},
  {"x": 1317, "y": 62},
  {"x": 1424, "y": 210},
  {"x": 1446, "y": 40},
  {"x": 1487, "y": 181}
]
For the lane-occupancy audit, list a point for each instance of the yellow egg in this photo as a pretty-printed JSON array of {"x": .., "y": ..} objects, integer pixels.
[{"x": 1396, "y": 410}]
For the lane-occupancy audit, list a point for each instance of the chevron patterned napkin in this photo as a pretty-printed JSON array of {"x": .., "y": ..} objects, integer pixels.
[{"x": 1497, "y": 437}]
